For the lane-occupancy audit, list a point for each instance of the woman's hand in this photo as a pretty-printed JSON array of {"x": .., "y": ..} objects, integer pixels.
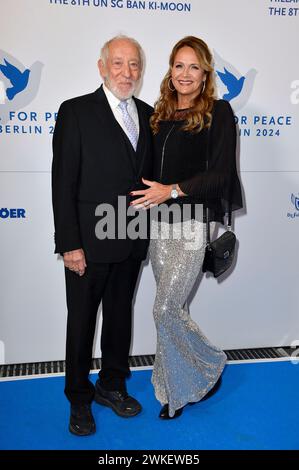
[{"x": 155, "y": 194}]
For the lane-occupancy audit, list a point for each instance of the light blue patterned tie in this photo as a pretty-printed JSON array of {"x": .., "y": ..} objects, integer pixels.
[{"x": 129, "y": 123}]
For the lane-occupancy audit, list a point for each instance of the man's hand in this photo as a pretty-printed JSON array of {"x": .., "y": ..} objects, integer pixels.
[{"x": 75, "y": 261}]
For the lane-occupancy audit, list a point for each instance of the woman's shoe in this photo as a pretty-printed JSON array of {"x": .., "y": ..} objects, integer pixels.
[{"x": 164, "y": 413}]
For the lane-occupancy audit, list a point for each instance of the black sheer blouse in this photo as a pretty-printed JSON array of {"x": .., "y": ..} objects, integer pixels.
[{"x": 180, "y": 157}]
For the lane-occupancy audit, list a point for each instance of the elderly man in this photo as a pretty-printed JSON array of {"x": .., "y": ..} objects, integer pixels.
[{"x": 101, "y": 150}]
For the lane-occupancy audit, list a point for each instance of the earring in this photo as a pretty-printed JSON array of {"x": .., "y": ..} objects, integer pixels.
[
  {"x": 168, "y": 84},
  {"x": 203, "y": 87}
]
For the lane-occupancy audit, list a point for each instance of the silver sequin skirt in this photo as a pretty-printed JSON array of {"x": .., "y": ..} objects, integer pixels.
[{"x": 187, "y": 365}]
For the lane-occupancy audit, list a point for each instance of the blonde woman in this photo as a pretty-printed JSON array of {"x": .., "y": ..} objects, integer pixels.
[{"x": 190, "y": 126}]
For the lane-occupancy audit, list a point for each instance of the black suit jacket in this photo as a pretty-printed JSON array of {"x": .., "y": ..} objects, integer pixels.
[{"x": 94, "y": 163}]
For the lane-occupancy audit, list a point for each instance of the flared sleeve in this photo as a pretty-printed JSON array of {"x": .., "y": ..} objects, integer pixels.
[{"x": 219, "y": 186}]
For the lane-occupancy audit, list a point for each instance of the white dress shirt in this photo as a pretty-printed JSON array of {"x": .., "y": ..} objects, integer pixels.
[{"x": 114, "y": 102}]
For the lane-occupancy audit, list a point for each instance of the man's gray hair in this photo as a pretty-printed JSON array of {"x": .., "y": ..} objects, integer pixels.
[{"x": 105, "y": 48}]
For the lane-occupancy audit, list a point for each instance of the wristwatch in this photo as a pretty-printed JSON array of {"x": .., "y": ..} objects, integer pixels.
[{"x": 174, "y": 192}]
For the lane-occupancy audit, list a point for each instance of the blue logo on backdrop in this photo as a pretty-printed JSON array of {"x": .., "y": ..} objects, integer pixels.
[
  {"x": 295, "y": 202},
  {"x": 6, "y": 213},
  {"x": 232, "y": 85},
  {"x": 18, "y": 79},
  {"x": 18, "y": 84}
]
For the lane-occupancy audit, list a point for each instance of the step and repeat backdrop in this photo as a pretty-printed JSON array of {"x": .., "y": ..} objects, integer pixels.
[{"x": 48, "y": 53}]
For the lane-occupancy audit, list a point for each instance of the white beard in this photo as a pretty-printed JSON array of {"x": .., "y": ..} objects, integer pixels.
[{"x": 118, "y": 93}]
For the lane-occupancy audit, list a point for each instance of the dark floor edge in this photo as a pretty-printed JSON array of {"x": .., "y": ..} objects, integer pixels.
[{"x": 147, "y": 360}]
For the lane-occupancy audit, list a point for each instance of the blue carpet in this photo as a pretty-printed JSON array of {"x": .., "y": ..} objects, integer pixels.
[{"x": 255, "y": 408}]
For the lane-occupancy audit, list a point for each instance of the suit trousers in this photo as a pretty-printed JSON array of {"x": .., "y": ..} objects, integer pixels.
[{"x": 114, "y": 285}]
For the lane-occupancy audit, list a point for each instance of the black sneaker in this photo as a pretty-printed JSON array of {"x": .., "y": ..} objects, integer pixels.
[
  {"x": 81, "y": 420},
  {"x": 118, "y": 400}
]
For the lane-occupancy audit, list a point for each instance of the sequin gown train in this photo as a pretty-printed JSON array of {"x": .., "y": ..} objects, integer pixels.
[{"x": 187, "y": 365}]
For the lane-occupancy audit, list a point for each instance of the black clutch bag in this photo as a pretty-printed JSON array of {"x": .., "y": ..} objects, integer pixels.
[{"x": 219, "y": 254}]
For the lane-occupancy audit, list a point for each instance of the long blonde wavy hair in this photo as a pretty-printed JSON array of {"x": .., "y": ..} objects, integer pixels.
[{"x": 200, "y": 114}]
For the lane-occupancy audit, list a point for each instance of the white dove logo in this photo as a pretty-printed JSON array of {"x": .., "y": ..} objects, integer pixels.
[
  {"x": 232, "y": 85},
  {"x": 18, "y": 84}
]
